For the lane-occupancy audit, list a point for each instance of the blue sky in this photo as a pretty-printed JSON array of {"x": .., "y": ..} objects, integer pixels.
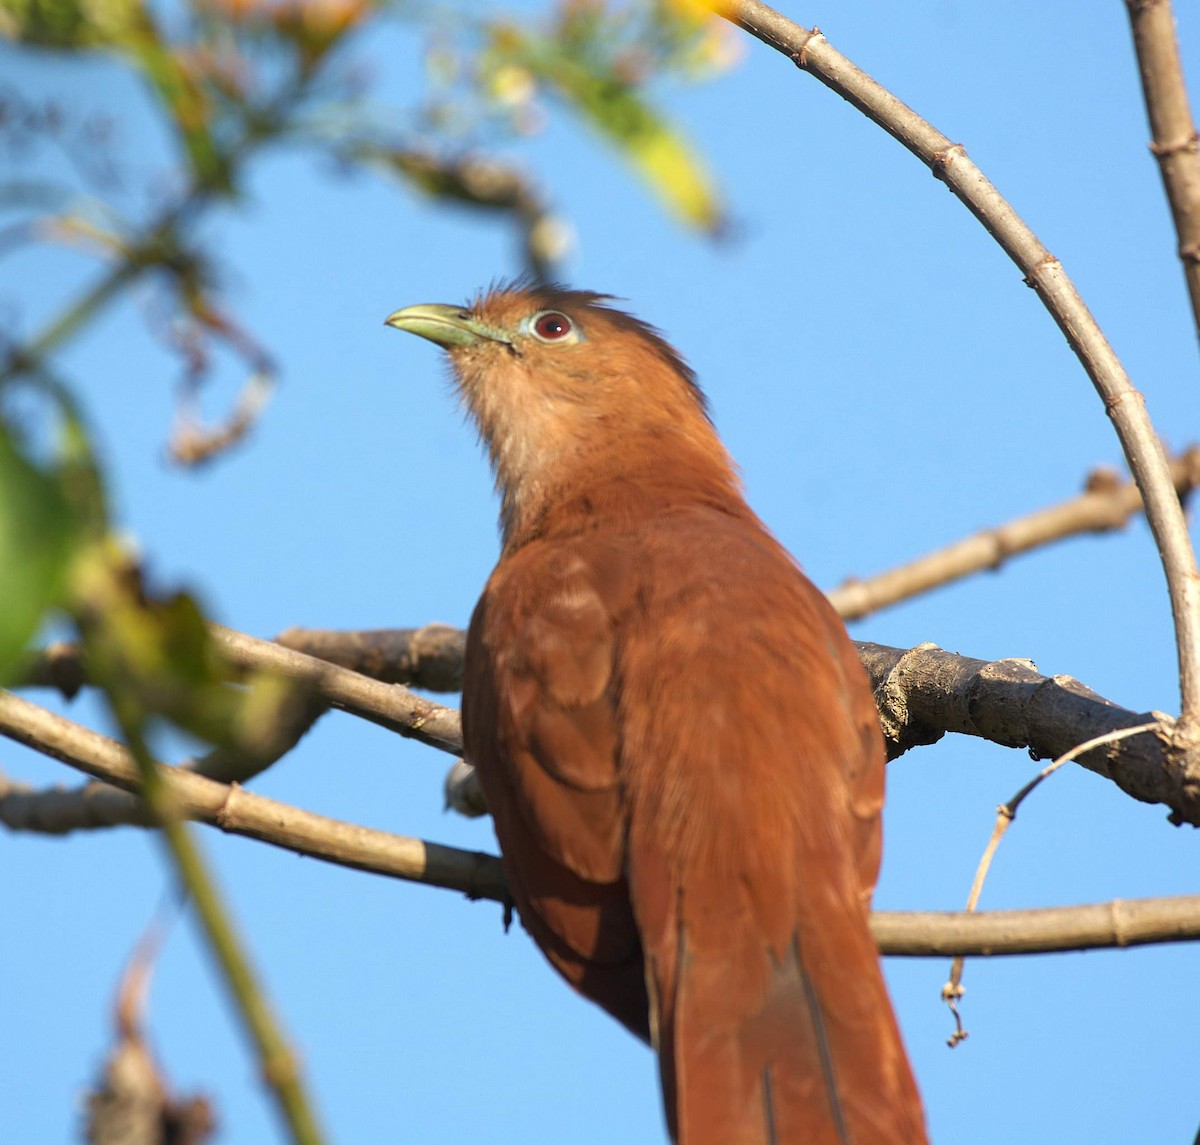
[{"x": 887, "y": 384}]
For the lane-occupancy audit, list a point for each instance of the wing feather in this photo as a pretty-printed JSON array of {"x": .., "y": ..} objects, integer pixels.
[{"x": 539, "y": 725}]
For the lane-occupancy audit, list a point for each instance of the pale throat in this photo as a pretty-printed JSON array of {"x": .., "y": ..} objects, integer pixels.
[
  {"x": 532, "y": 438},
  {"x": 546, "y": 446}
]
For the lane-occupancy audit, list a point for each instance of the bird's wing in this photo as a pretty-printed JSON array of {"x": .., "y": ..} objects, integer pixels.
[{"x": 539, "y": 726}]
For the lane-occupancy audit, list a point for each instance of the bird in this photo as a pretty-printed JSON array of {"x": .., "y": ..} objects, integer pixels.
[{"x": 672, "y": 731}]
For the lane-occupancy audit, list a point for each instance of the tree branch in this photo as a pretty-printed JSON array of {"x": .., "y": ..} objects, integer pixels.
[
  {"x": 1106, "y": 505},
  {"x": 921, "y": 693},
  {"x": 925, "y": 692},
  {"x": 389, "y": 705},
  {"x": 238, "y": 812},
  {"x": 948, "y": 161},
  {"x": 1175, "y": 143},
  {"x": 1121, "y": 922},
  {"x": 430, "y": 657},
  {"x": 96, "y": 806},
  {"x": 480, "y": 876}
]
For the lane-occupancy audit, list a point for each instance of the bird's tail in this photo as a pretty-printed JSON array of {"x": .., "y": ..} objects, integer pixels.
[{"x": 796, "y": 1048}]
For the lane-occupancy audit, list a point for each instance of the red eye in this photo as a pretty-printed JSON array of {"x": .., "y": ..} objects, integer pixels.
[{"x": 551, "y": 326}]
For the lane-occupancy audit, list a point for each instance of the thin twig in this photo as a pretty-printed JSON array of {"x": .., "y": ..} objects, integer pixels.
[
  {"x": 948, "y": 161},
  {"x": 1006, "y": 813},
  {"x": 131, "y": 1100},
  {"x": 480, "y": 876},
  {"x": 1175, "y": 144},
  {"x": 192, "y": 442},
  {"x": 29, "y": 358},
  {"x": 1106, "y": 505}
]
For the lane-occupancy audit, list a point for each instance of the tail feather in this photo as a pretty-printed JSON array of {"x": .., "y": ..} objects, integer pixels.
[
  {"x": 783, "y": 1071},
  {"x": 772, "y": 1134},
  {"x": 796, "y": 971}
]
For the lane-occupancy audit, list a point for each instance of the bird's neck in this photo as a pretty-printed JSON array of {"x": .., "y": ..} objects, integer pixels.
[{"x": 642, "y": 475}]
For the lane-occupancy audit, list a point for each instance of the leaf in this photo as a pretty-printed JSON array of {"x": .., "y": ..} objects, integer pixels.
[
  {"x": 38, "y": 534},
  {"x": 47, "y": 23},
  {"x": 594, "y": 86},
  {"x": 468, "y": 179},
  {"x": 152, "y": 656}
]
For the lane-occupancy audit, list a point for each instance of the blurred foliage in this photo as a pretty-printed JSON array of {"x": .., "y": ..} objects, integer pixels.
[
  {"x": 597, "y": 63},
  {"x": 38, "y": 533},
  {"x": 152, "y": 657},
  {"x": 228, "y": 79}
]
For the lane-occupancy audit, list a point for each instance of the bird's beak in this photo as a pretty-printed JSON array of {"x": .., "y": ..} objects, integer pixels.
[{"x": 448, "y": 326}]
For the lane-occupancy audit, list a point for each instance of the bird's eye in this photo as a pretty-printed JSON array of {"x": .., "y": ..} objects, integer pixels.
[{"x": 551, "y": 326}]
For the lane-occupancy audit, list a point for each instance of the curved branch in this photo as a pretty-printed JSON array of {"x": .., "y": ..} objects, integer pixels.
[
  {"x": 948, "y": 161},
  {"x": 1006, "y": 815}
]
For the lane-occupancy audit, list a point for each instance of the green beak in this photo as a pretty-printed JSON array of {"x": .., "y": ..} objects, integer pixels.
[{"x": 448, "y": 326}]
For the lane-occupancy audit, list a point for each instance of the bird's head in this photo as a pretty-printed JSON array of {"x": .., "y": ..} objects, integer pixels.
[{"x": 566, "y": 390}]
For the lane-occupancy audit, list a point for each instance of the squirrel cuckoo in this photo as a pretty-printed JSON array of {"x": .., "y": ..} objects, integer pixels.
[{"x": 673, "y": 733}]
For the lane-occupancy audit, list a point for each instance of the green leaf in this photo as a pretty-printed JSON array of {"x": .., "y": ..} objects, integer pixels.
[
  {"x": 38, "y": 534},
  {"x": 47, "y": 23},
  {"x": 69, "y": 24},
  {"x": 152, "y": 656}
]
